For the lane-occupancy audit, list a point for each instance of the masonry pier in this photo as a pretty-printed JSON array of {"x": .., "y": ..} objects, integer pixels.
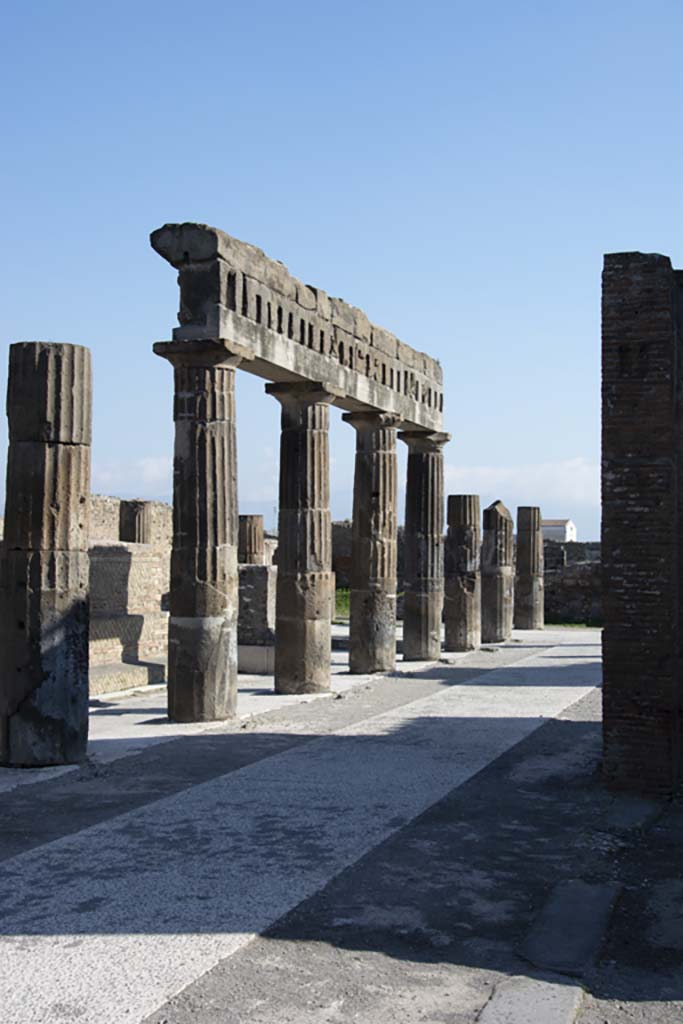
[
  {"x": 44, "y": 586},
  {"x": 642, "y": 507},
  {"x": 497, "y": 575},
  {"x": 373, "y": 567},
  {"x": 424, "y": 588},
  {"x": 529, "y": 608},
  {"x": 462, "y": 604},
  {"x": 202, "y": 632}
]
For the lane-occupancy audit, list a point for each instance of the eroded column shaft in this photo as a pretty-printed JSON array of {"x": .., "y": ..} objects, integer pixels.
[
  {"x": 304, "y": 568},
  {"x": 423, "y": 541},
  {"x": 202, "y": 635},
  {"x": 373, "y": 556},
  {"x": 497, "y": 575},
  {"x": 529, "y": 610},
  {"x": 251, "y": 548},
  {"x": 44, "y": 620},
  {"x": 462, "y": 603}
]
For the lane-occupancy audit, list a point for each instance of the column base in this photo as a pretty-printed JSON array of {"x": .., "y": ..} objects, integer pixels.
[
  {"x": 529, "y": 604},
  {"x": 372, "y": 629},
  {"x": 497, "y": 600},
  {"x": 202, "y": 668},
  {"x": 303, "y": 635},
  {"x": 422, "y": 625},
  {"x": 462, "y": 613}
]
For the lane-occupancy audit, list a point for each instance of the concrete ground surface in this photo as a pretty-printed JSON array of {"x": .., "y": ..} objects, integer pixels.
[{"x": 431, "y": 846}]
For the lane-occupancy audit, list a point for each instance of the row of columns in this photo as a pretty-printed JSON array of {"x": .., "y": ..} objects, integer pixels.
[
  {"x": 204, "y": 592},
  {"x": 487, "y": 589},
  {"x": 44, "y": 582}
]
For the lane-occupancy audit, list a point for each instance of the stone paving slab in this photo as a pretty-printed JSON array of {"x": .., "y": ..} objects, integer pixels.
[
  {"x": 110, "y": 921},
  {"x": 571, "y": 926},
  {"x": 532, "y": 1001}
]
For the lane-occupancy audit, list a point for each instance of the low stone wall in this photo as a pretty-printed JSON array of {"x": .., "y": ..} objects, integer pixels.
[
  {"x": 558, "y": 553},
  {"x": 108, "y": 516},
  {"x": 573, "y": 593},
  {"x": 126, "y": 619}
]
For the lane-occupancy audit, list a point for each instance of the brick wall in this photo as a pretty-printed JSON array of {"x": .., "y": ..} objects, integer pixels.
[
  {"x": 573, "y": 593},
  {"x": 641, "y": 477}
]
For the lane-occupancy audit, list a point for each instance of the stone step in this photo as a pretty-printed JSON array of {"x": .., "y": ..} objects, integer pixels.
[{"x": 125, "y": 676}]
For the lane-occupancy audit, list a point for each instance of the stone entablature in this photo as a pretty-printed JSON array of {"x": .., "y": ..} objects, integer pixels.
[{"x": 231, "y": 292}]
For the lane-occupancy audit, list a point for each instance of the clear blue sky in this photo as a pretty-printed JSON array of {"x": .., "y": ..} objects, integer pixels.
[{"x": 456, "y": 170}]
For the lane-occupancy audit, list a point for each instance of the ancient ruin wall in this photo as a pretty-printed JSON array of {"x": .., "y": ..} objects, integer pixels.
[{"x": 231, "y": 292}]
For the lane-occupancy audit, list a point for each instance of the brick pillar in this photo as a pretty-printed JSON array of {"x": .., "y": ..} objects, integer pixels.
[
  {"x": 202, "y": 634},
  {"x": 497, "y": 575},
  {"x": 462, "y": 606},
  {"x": 304, "y": 563},
  {"x": 373, "y": 547},
  {"x": 642, "y": 557},
  {"x": 529, "y": 609},
  {"x": 423, "y": 540},
  {"x": 251, "y": 549},
  {"x": 44, "y": 619}
]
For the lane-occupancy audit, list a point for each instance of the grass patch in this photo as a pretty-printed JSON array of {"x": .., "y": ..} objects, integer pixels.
[{"x": 342, "y": 603}]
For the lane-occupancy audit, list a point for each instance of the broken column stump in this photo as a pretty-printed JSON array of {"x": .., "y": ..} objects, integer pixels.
[
  {"x": 423, "y": 544},
  {"x": 202, "y": 630},
  {"x": 44, "y": 584},
  {"x": 462, "y": 604},
  {"x": 497, "y": 575},
  {"x": 372, "y": 623},
  {"x": 529, "y": 609},
  {"x": 303, "y": 636}
]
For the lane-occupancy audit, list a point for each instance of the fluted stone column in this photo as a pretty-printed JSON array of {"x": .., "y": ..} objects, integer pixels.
[
  {"x": 44, "y": 614},
  {"x": 423, "y": 543},
  {"x": 462, "y": 605},
  {"x": 202, "y": 634},
  {"x": 304, "y": 565},
  {"x": 497, "y": 575},
  {"x": 529, "y": 610},
  {"x": 251, "y": 548},
  {"x": 373, "y": 554}
]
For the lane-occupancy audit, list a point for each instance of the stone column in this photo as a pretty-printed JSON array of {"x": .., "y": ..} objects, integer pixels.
[
  {"x": 497, "y": 575},
  {"x": 373, "y": 545},
  {"x": 304, "y": 563},
  {"x": 423, "y": 540},
  {"x": 529, "y": 611},
  {"x": 251, "y": 549},
  {"x": 462, "y": 606},
  {"x": 44, "y": 617},
  {"x": 202, "y": 634}
]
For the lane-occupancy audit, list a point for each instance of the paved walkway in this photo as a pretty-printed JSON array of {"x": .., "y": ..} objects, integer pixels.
[{"x": 163, "y": 880}]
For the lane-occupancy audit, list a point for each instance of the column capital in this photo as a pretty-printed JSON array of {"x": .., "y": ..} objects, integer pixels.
[
  {"x": 303, "y": 392},
  {"x": 424, "y": 440},
  {"x": 209, "y": 352},
  {"x": 371, "y": 419}
]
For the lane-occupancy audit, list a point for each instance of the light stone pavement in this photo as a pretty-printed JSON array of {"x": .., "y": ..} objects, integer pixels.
[{"x": 110, "y": 922}]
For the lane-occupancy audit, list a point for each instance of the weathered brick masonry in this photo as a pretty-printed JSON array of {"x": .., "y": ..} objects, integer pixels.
[{"x": 641, "y": 480}]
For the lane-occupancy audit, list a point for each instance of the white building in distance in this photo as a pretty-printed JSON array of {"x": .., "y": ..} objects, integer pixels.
[{"x": 558, "y": 529}]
